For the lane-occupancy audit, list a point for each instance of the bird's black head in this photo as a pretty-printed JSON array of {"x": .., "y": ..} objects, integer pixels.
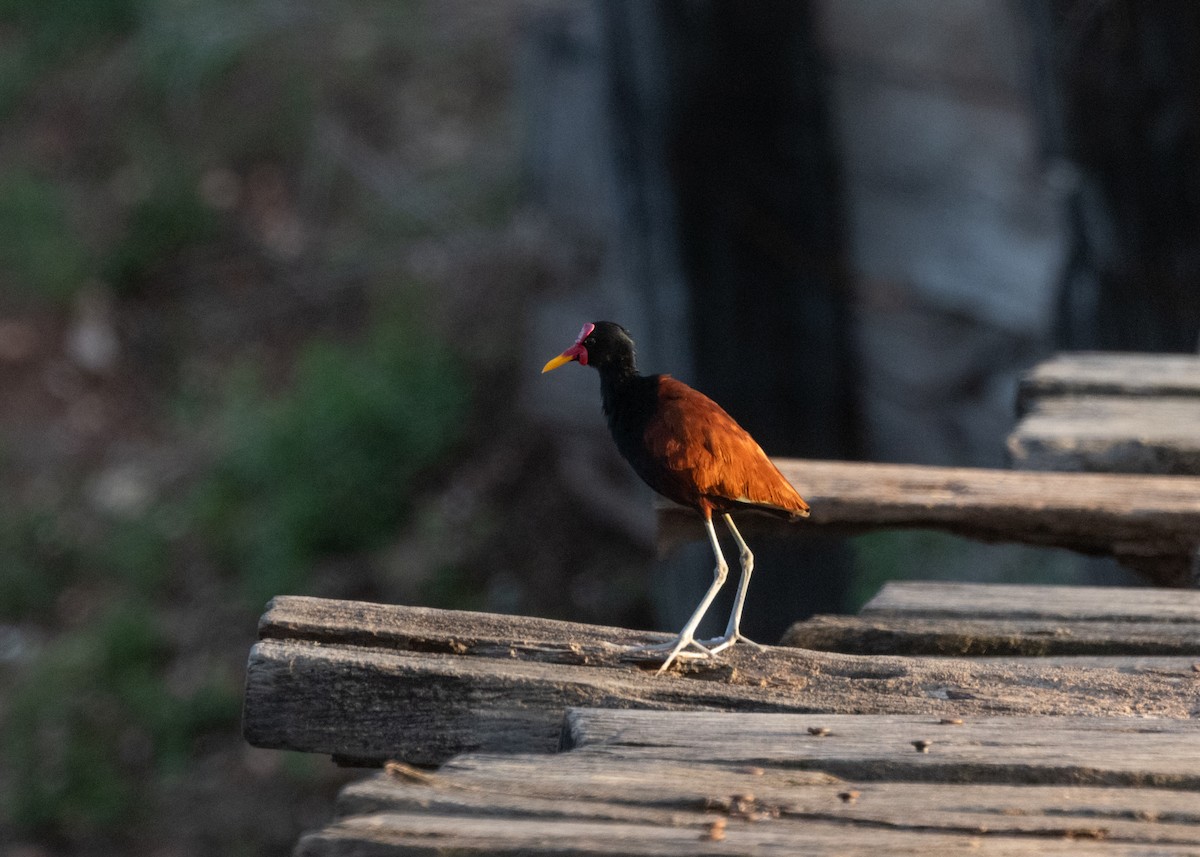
[{"x": 603, "y": 345}]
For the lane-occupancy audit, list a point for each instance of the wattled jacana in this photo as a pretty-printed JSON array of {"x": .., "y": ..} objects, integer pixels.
[{"x": 688, "y": 449}]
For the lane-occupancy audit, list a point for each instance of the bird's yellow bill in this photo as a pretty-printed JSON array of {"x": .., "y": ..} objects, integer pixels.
[{"x": 565, "y": 357}]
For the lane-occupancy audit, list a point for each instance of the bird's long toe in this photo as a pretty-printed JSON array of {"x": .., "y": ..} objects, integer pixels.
[
  {"x": 678, "y": 649},
  {"x": 701, "y": 650},
  {"x": 720, "y": 644}
]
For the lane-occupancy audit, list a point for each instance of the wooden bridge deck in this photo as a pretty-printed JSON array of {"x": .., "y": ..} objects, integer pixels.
[
  {"x": 943, "y": 719},
  {"x": 551, "y": 740}
]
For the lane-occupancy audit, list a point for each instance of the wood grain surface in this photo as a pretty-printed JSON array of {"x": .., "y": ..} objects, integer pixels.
[{"x": 369, "y": 682}]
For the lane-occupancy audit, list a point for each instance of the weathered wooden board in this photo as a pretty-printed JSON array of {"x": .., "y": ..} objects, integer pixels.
[
  {"x": 882, "y": 635},
  {"x": 600, "y": 785},
  {"x": 1109, "y": 434},
  {"x": 646, "y": 783},
  {"x": 430, "y": 630},
  {"x": 1150, "y": 523},
  {"x": 1111, "y": 373},
  {"x": 946, "y": 600},
  {"x": 417, "y": 835},
  {"x": 991, "y": 620},
  {"x": 1106, "y": 373},
  {"x": 422, "y": 686},
  {"x": 1114, "y": 751}
]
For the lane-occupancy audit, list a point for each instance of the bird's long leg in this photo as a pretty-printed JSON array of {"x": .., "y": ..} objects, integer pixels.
[
  {"x": 733, "y": 629},
  {"x": 686, "y": 636}
]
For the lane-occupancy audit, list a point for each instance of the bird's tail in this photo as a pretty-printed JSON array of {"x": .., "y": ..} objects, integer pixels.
[{"x": 794, "y": 511}]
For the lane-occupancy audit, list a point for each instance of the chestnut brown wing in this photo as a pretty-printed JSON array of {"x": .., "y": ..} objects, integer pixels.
[{"x": 704, "y": 459}]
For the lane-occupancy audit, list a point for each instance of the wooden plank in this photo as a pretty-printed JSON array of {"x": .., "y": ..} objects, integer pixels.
[
  {"x": 1109, "y": 434},
  {"x": 389, "y": 835},
  {"x": 869, "y": 635},
  {"x": 1106, "y": 373},
  {"x": 1151, "y": 523},
  {"x": 587, "y": 785},
  {"x": 989, "y": 620},
  {"x": 373, "y": 702},
  {"x": 416, "y": 835},
  {"x": 944, "y": 600},
  {"x": 1112, "y": 751},
  {"x": 584, "y": 784},
  {"x": 452, "y": 632},
  {"x": 639, "y": 786},
  {"x": 548, "y": 784}
]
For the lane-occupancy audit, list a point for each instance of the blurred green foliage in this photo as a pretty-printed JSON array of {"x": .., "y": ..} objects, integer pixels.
[
  {"x": 38, "y": 249},
  {"x": 184, "y": 46},
  {"x": 42, "y": 553},
  {"x": 169, "y": 218},
  {"x": 82, "y": 728},
  {"x": 44, "y": 34},
  {"x": 143, "y": 100},
  {"x": 180, "y": 51},
  {"x": 37, "y": 557},
  {"x": 329, "y": 465}
]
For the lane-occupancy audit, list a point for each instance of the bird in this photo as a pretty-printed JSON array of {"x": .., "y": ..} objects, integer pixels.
[{"x": 688, "y": 449}]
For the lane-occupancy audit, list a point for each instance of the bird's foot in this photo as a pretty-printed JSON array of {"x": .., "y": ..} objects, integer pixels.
[
  {"x": 701, "y": 650},
  {"x": 720, "y": 644},
  {"x": 681, "y": 648}
]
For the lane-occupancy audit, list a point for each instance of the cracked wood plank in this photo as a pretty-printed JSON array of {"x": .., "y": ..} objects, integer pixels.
[
  {"x": 639, "y": 783},
  {"x": 1065, "y": 750},
  {"x": 415, "y": 835},
  {"x": 369, "y": 682}
]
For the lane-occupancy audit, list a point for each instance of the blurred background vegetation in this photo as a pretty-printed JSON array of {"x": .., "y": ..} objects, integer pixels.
[{"x": 262, "y": 273}]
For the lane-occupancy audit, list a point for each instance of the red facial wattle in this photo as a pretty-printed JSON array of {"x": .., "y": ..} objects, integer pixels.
[
  {"x": 578, "y": 351},
  {"x": 578, "y": 348}
]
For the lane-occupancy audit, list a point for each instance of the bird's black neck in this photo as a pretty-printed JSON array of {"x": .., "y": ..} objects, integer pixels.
[
  {"x": 615, "y": 383},
  {"x": 630, "y": 401}
]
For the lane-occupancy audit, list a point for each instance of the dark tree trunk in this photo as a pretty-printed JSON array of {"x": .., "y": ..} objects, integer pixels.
[
  {"x": 1119, "y": 85},
  {"x": 725, "y": 152},
  {"x": 754, "y": 175}
]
